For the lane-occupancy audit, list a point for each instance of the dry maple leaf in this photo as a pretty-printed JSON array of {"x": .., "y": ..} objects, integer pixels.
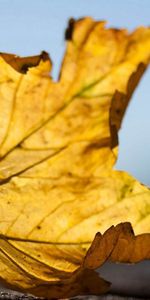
[{"x": 58, "y": 146}]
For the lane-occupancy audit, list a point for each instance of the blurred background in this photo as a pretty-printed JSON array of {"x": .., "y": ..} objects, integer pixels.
[{"x": 29, "y": 26}]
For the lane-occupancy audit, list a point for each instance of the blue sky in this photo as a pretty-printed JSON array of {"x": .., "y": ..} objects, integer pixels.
[{"x": 29, "y": 26}]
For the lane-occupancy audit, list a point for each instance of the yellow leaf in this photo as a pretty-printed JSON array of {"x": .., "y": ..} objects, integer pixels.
[{"x": 58, "y": 145}]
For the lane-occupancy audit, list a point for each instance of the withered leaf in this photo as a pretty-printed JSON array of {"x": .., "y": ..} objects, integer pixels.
[{"x": 58, "y": 146}]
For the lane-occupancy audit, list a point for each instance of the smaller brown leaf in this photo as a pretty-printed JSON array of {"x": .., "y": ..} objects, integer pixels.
[{"x": 117, "y": 244}]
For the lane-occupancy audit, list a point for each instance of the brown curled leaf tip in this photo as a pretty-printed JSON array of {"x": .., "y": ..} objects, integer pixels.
[
  {"x": 70, "y": 29},
  {"x": 58, "y": 148},
  {"x": 120, "y": 102},
  {"x": 22, "y": 64}
]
